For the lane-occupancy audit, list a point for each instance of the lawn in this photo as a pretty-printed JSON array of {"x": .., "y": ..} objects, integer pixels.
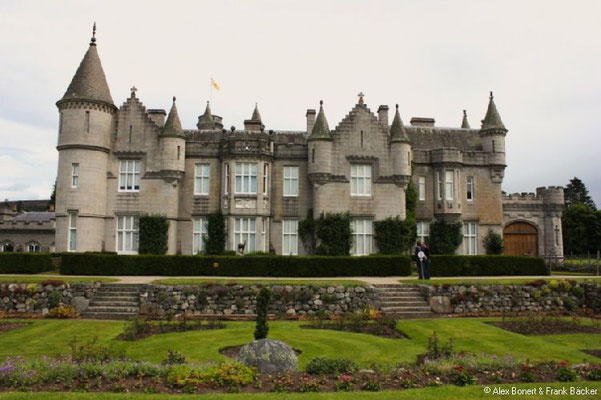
[
  {"x": 438, "y": 393},
  {"x": 49, "y": 337},
  {"x": 40, "y": 279},
  {"x": 490, "y": 281},
  {"x": 313, "y": 282}
]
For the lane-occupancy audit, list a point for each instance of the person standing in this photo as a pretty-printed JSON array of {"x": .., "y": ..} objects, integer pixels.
[
  {"x": 426, "y": 261},
  {"x": 419, "y": 259}
]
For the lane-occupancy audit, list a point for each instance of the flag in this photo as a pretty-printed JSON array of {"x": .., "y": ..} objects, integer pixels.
[{"x": 214, "y": 84}]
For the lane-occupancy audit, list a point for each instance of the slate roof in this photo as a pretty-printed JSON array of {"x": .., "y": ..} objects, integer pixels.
[
  {"x": 397, "y": 130},
  {"x": 492, "y": 120},
  {"x": 173, "y": 125},
  {"x": 321, "y": 130},
  {"x": 34, "y": 216},
  {"x": 464, "y": 123},
  {"x": 428, "y": 138}
]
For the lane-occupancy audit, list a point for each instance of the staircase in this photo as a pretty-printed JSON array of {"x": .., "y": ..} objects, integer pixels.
[
  {"x": 405, "y": 301},
  {"x": 114, "y": 301}
]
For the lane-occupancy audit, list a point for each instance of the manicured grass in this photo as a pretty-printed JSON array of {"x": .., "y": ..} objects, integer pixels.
[
  {"x": 50, "y": 337},
  {"x": 315, "y": 282},
  {"x": 438, "y": 393},
  {"x": 475, "y": 282},
  {"x": 40, "y": 279}
]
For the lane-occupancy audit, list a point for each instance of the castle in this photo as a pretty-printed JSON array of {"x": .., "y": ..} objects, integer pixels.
[{"x": 117, "y": 163}]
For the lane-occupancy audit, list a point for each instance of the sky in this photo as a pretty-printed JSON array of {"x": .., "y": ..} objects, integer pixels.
[{"x": 434, "y": 58}]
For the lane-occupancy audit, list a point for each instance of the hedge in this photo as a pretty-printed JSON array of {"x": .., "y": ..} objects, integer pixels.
[
  {"x": 269, "y": 265},
  {"x": 490, "y": 265},
  {"x": 25, "y": 263}
]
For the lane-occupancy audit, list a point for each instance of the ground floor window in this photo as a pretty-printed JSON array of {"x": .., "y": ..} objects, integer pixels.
[
  {"x": 290, "y": 237},
  {"x": 423, "y": 231},
  {"x": 33, "y": 247},
  {"x": 7, "y": 247},
  {"x": 127, "y": 234},
  {"x": 198, "y": 235},
  {"x": 362, "y": 237},
  {"x": 245, "y": 233},
  {"x": 470, "y": 238},
  {"x": 72, "y": 243}
]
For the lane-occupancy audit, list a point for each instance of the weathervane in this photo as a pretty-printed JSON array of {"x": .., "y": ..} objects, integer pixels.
[{"x": 93, "y": 40}]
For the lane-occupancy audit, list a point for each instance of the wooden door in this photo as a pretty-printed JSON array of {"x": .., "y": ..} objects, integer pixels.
[{"x": 521, "y": 239}]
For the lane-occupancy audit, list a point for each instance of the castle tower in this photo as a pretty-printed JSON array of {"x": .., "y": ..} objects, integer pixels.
[
  {"x": 320, "y": 145},
  {"x": 86, "y": 120},
  {"x": 493, "y": 134},
  {"x": 173, "y": 143},
  {"x": 400, "y": 147},
  {"x": 206, "y": 121}
]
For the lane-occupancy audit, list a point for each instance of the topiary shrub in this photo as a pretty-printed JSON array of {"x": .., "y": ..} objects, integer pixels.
[
  {"x": 262, "y": 328},
  {"x": 153, "y": 234},
  {"x": 216, "y": 234},
  {"x": 394, "y": 235},
  {"x": 334, "y": 234},
  {"x": 493, "y": 243},
  {"x": 445, "y": 238}
]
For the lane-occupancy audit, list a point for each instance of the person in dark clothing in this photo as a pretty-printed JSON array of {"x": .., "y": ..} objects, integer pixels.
[
  {"x": 419, "y": 257},
  {"x": 426, "y": 261}
]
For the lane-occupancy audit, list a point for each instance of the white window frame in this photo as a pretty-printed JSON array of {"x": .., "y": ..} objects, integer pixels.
[
  {"x": 227, "y": 178},
  {"x": 4, "y": 245},
  {"x": 127, "y": 234},
  {"x": 438, "y": 186},
  {"x": 72, "y": 233},
  {"x": 470, "y": 238},
  {"x": 34, "y": 247},
  {"x": 362, "y": 237},
  {"x": 129, "y": 175},
  {"x": 291, "y": 181},
  {"x": 421, "y": 186},
  {"x": 199, "y": 232},
  {"x": 423, "y": 231},
  {"x": 246, "y": 178},
  {"x": 449, "y": 192},
  {"x": 290, "y": 237},
  {"x": 202, "y": 179},
  {"x": 469, "y": 188},
  {"x": 361, "y": 176},
  {"x": 74, "y": 175},
  {"x": 245, "y": 229},
  {"x": 265, "y": 179}
]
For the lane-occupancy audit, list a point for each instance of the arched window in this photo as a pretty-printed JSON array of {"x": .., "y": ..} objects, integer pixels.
[
  {"x": 7, "y": 247},
  {"x": 33, "y": 247}
]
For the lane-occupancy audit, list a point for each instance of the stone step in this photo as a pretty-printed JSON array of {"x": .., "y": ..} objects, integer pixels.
[
  {"x": 112, "y": 303},
  {"x": 130, "y": 294},
  {"x": 116, "y": 298},
  {"x": 118, "y": 289},
  {"x": 415, "y": 314},
  {"x": 397, "y": 290},
  {"x": 107, "y": 309},
  {"x": 395, "y": 285},
  {"x": 403, "y": 303},
  {"x": 122, "y": 285},
  {"x": 400, "y": 295},
  {"x": 405, "y": 308},
  {"x": 114, "y": 316}
]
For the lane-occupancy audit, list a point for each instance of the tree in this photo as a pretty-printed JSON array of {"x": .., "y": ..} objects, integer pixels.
[
  {"x": 261, "y": 328},
  {"x": 576, "y": 192},
  {"x": 328, "y": 235},
  {"x": 581, "y": 226},
  {"x": 216, "y": 234},
  {"x": 394, "y": 235},
  {"x": 445, "y": 237},
  {"x": 53, "y": 195},
  {"x": 493, "y": 242},
  {"x": 306, "y": 231},
  {"x": 153, "y": 234}
]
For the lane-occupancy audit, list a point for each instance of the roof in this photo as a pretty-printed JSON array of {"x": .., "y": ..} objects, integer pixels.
[
  {"x": 397, "y": 130},
  {"x": 206, "y": 121},
  {"x": 173, "y": 125},
  {"x": 34, "y": 216},
  {"x": 492, "y": 120},
  {"x": 89, "y": 82},
  {"x": 256, "y": 114},
  {"x": 320, "y": 130},
  {"x": 464, "y": 123},
  {"x": 428, "y": 138}
]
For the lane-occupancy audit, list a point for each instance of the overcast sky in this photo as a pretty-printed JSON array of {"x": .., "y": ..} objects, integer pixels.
[{"x": 542, "y": 59}]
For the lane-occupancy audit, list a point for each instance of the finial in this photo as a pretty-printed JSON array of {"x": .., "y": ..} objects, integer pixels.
[
  {"x": 491, "y": 96},
  {"x": 320, "y": 103},
  {"x": 173, "y": 99},
  {"x": 93, "y": 40},
  {"x": 397, "y": 107},
  {"x": 361, "y": 97},
  {"x": 464, "y": 113},
  {"x": 133, "y": 91}
]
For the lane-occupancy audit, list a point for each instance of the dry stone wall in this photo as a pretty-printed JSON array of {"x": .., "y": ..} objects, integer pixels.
[{"x": 39, "y": 298}]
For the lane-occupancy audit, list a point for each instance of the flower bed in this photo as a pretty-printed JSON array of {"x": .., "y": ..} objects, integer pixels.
[
  {"x": 138, "y": 329},
  {"x": 370, "y": 322},
  {"x": 547, "y": 325},
  {"x": 6, "y": 326}
]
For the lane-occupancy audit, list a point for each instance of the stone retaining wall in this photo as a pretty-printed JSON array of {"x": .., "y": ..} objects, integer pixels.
[
  {"x": 34, "y": 297},
  {"x": 556, "y": 296}
]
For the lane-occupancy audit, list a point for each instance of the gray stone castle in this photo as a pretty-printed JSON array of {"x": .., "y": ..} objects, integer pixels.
[{"x": 117, "y": 163}]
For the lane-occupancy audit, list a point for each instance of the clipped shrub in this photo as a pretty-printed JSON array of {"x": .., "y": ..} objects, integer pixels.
[
  {"x": 24, "y": 263},
  {"x": 394, "y": 235},
  {"x": 493, "y": 242},
  {"x": 153, "y": 234},
  {"x": 280, "y": 266},
  {"x": 334, "y": 234},
  {"x": 445, "y": 238},
  {"x": 453, "y": 265},
  {"x": 216, "y": 234},
  {"x": 321, "y": 366},
  {"x": 262, "y": 328}
]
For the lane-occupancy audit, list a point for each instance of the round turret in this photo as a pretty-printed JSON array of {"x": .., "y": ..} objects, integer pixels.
[
  {"x": 400, "y": 146},
  {"x": 173, "y": 142},
  {"x": 320, "y": 145}
]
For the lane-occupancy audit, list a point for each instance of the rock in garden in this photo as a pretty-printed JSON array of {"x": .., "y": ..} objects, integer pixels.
[
  {"x": 269, "y": 356},
  {"x": 441, "y": 304},
  {"x": 80, "y": 303}
]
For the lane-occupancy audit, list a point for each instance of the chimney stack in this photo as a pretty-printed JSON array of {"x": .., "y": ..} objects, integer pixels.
[
  {"x": 310, "y": 120},
  {"x": 383, "y": 115}
]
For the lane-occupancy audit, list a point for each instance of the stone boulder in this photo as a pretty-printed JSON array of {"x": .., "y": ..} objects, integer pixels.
[
  {"x": 441, "y": 305},
  {"x": 269, "y": 356},
  {"x": 80, "y": 303}
]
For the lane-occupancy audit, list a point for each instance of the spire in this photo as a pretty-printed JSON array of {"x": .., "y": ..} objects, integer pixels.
[
  {"x": 173, "y": 125},
  {"x": 256, "y": 115},
  {"x": 89, "y": 82},
  {"x": 464, "y": 123},
  {"x": 321, "y": 130},
  {"x": 397, "y": 130},
  {"x": 492, "y": 120},
  {"x": 206, "y": 121}
]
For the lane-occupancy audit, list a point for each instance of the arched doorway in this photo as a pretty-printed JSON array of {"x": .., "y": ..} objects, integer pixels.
[{"x": 521, "y": 239}]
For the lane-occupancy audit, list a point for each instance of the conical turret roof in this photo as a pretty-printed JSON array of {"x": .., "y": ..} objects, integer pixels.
[
  {"x": 492, "y": 120},
  {"x": 397, "y": 130},
  {"x": 206, "y": 120},
  {"x": 173, "y": 125},
  {"x": 464, "y": 123},
  {"x": 320, "y": 130},
  {"x": 89, "y": 82},
  {"x": 256, "y": 114}
]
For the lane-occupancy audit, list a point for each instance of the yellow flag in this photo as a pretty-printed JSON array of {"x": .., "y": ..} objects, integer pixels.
[{"x": 214, "y": 84}]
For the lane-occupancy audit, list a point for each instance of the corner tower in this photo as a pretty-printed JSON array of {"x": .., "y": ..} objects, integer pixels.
[
  {"x": 320, "y": 145},
  {"x": 492, "y": 133},
  {"x": 86, "y": 120}
]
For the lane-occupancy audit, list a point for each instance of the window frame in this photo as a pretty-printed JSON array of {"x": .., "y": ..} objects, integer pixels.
[
  {"x": 265, "y": 179},
  {"x": 361, "y": 174},
  {"x": 133, "y": 232},
  {"x": 34, "y": 244},
  {"x": 449, "y": 185},
  {"x": 291, "y": 179},
  {"x": 470, "y": 238},
  {"x": 199, "y": 230},
  {"x": 423, "y": 230},
  {"x": 245, "y": 178},
  {"x": 74, "y": 175},
  {"x": 242, "y": 232},
  {"x": 202, "y": 181},
  {"x": 126, "y": 173},
  {"x": 226, "y": 178},
  {"x": 290, "y": 237},
  {"x": 72, "y": 231},
  {"x": 366, "y": 234},
  {"x": 438, "y": 186},
  {"x": 421, "y": 188},
  {"x": 470, "y": 187}
]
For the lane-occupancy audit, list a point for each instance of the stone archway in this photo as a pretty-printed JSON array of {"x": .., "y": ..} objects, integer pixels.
[{"x": 521, "y": 239}]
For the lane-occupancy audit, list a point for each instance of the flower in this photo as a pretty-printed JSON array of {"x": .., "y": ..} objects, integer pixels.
[
  {"x": 564, "y": 363},
  {"x": 458, "y": 368}
]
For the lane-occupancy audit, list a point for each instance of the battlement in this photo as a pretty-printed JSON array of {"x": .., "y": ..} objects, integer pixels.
[{"x": 544, "y": 194}]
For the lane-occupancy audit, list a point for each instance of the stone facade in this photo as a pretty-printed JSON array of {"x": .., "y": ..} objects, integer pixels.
[
  {"x": 26, "y": 231},
  {"x": 130, "y": 161}
]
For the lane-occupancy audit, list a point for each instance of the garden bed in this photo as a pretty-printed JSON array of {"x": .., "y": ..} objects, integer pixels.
[
  {"x": 594, "y": 352},
  {"x": 370, "y": 322},
  {"x": 140, "y": 329},
  {"x": 547, "y": 325},
  {"x": 368, "y": 329},
  {"x": 233, "y": 351},
  {"x": 6, "y": 326}
]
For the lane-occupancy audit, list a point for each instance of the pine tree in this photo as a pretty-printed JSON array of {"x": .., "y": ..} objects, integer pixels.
[
  {"x": 262, "y": 328},
  {"x": 576, "y": 192}
]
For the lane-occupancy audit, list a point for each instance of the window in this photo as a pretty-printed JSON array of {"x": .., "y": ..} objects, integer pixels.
[
  {"x": 265, "y": 178},
  {"x": 60, "y": 123},
  {"x": 362, "y": 237},
  {"x": 199, "y": 231},
  {"x": 312, "y": 155},
  {"x": 227, "y": 179},
  {"x": 129, "y": 175},
  {"x": 72, "y": 243},
  {"x": 127, "y": 234},
  {"x": 449, "y": 185},
  {"x": 178, "y": 151},
  {"x": 130, "y": 130},
  {"x": 74, "y": 175},
  {"x": 422, "y": 188},
  {"x": 360, "y": 180},
  {"x": 470, "y": 238},
  {"x": 7, "y": 247},
  {"x": 87, "y": 122},
  {"x": 438, "y": 186},
  {"x": 423, "y": 231},
  {"x": 246, "y": 178},
  {"x": 202, "y": 174},
  {"x": 493, "y": 146},
  {"x": 290, "y": 181},
  {"x": 470, "y": 188},
  {"x": 33, "y": 247},
  {"x": 245, "y": 230},
  {"x": 289, "y": 237}
]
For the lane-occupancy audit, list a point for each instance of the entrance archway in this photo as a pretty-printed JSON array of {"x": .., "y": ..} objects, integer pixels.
[{"x": 521, "y": 239}]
